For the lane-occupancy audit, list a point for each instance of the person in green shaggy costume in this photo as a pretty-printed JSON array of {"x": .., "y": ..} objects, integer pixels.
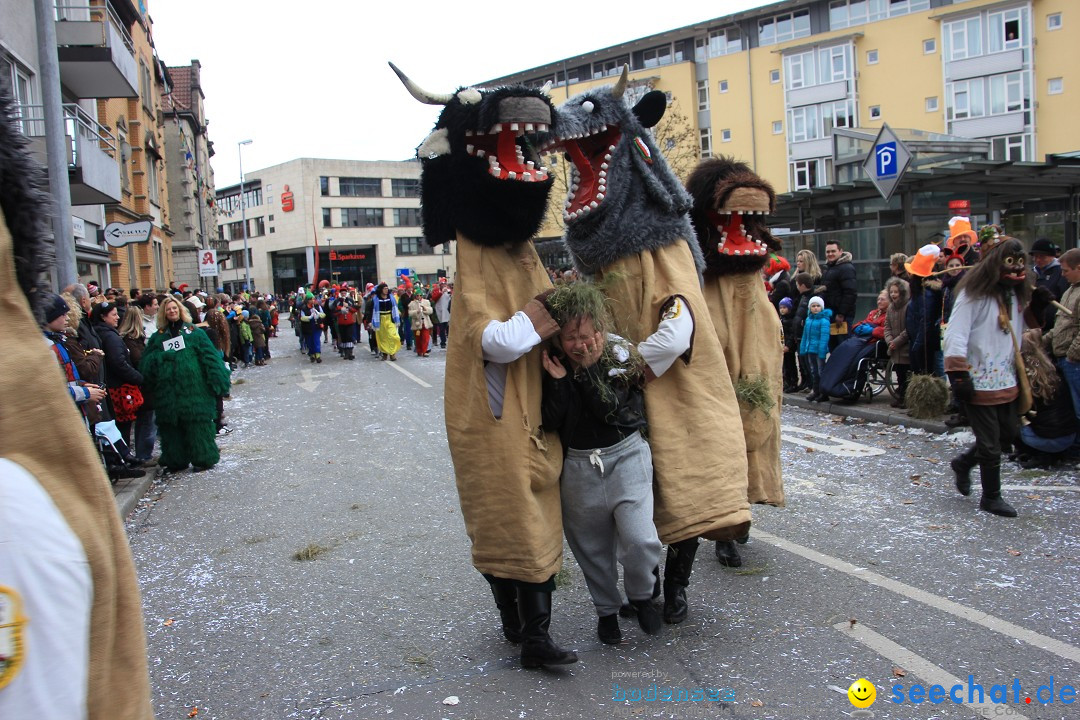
[{"x": 185, "y": 374}]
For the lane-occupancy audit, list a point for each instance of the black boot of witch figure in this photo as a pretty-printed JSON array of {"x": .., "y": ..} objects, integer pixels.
[
  {"x": 990, "y": 475},
  {"x": 525, "y": 611}
]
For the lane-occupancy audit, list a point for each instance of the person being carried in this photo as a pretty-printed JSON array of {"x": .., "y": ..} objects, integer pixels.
[{"x": 594, "y": 397}]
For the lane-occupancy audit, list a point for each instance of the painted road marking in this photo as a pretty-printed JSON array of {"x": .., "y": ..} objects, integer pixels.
[
  {"x": 827, "y": 443},
  {"x": 991, "y": 622},
  {"x": 309, "y": 384},
  {"x": 931, "y": 673},
  {"x": 409, "y": 375}
]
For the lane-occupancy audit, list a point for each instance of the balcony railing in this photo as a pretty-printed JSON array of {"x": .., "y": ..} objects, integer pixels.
[
  {"x": 79, "y": 127},
  {"x": 95, "y": 11}
]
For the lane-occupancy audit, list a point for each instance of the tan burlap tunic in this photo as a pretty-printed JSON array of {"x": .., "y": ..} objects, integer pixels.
[
  {"x": 507, "y": 470},
  {"x": 749, "y": 332},
  {"x": 699, "y": 458},
  {"x": 41, "y": 430}
]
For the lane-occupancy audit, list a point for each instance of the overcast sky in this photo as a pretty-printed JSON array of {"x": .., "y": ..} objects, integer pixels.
[{"x": 310, "y": 79}]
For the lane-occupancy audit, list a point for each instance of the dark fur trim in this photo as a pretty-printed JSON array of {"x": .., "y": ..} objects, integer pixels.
[
  {"x": 26, "y": 205},
  {"x": 984, "y": 278}
]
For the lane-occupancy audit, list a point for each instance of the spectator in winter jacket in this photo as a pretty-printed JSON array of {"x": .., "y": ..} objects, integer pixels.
[
  {"x": 1044, "y": 257},
  {"x": 804, "y": 290},
  {"x": 841, "y": 289},
  {"x": 791, "y": 351},
  {"x": 776, "y": 280},
  {"x": 120, "y": 374},
  {"x": 815, "y": 343},
  {"x": 258, "y": 337},
  {"x": 896, "y": 334}
]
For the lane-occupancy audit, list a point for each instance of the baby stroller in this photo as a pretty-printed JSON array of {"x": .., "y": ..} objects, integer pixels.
[
  {"x": 856, "y": 368},
  {"x": 114, "y": 452}
]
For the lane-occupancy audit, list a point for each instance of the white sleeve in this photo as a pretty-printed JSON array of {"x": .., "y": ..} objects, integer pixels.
[
  {"x": 671, "y": 339},
  {"x": 504, "y": 342},
  {"x": 958, "y": 330},
  {"x": 43, "y": 569}
]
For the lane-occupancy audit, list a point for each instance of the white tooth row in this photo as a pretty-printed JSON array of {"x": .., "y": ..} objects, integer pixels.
[
  {"x": 531, "y": 173},
  {"x": 759, "y": 248},
  {"x": 515, "y": 127},
  {"x": 751, "y": 212},
  {"x": 601, "y": 189}
]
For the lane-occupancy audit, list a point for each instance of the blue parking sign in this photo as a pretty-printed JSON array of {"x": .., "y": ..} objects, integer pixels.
[{"x": 887, "y": 160}]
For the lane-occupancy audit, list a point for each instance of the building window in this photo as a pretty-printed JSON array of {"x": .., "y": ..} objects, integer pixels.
[
  {"x": 786, "y": 26},
  {"x": 1053, "y": 21},
  {"x": 723, "y": 42},
  {"x": 777, "y": 127},
  {"x": 655, "y": 57},
  {"x": 845, "y": 13},
  {"x": 405, "y": 188},
  {"x": 702, "y": 95},
  {"x": 1013, "y": 148},
  {"x": 327, "y": 217},
  {"x": 929, "y": 47},
  {"x": 722, "y": 86},
  {"x": 871, "y": 57},
  {"x": 875, "y": 112},
  {"x": 706, "y": 142},
  {"x": 963, "y": 39},
  {"x": 608, "y": 68},
  {"x": 153, "y": 189},
  {"x": 804, "y": 174},
  {"x": 324, "y": 186},
  {"x": 413, "y": 246},
  {"x": 146, "y": 87},
  {"x": 1007, "y": 29},
  {"x": 19, "y": 80},
  {"x": 362, "y": 217},
  {"x": 931, "y": 104},
  {"x": 803, "y": 124},
  {"x": 774, "y": 76},
  {"x": 407, "y": 217},
  {"x": 257, "y": 227},
  {"x": 820, "y": 66},
  {"x": 359, "y": 187},
  {"x": 1055, "y": 86},
  {"x": 725, "y": 135}
]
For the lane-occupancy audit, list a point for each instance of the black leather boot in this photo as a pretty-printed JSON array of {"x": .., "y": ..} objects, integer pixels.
[
  {"x": 537, "y": 647},
  {"x": 727, "y": 554},
  {"x": 962, "y": 465},
  {"x": 648, "y": 615},
  {"x": 677, "y": 569},
  {"x": 505, "y": 592},
  {"x": 607, "y": 629},
  {"x": 992, "y": 501}
]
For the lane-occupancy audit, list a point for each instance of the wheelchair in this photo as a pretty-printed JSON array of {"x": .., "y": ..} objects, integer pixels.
[{"x": 877, "y": 373}]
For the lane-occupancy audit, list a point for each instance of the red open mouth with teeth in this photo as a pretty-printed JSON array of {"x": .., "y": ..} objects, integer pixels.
[
  {"x": 734, "y": 240},
  {"x": 509, "y": 154},
  {"x": 590, "y": 156}
]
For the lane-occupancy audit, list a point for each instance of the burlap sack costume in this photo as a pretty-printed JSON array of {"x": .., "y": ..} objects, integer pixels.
[
  {"x": 748, "y": 329},
  {"x": 36, "y": 403},
  {"x": 508, "y": 469},
  {"x": 700, "y": 487}
]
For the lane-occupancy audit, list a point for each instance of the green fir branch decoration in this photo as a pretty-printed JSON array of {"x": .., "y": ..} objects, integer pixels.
[{"x": 755, "y": 393}]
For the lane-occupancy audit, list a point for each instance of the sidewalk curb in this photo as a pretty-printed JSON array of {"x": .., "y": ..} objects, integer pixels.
[
  {"x": 128, "y": 492},
  {"x": 888, "y": 416}
]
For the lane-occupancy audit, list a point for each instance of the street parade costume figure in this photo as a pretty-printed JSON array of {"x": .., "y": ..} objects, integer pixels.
[
  {"x": 483, "y": 185},
  {"x": 186, "y": 375},
  {"x": 627, "y": 226},
  {"x": 71, "y": 626},
  {"x": 995, "y": 303},
  {"x": 730, "y": 204}
]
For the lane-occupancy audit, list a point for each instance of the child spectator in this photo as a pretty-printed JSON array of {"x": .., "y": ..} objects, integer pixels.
[
  {"x": 245, "y": 338},
  {"x": 896, "y": 334},
  {"x": 791, "y": 368},
  {"x": 258, "y": 337},
  {"x": 815, "y": 343},
  {"x": 804, "y": 282},
  {"x": 594, "y": 396}
]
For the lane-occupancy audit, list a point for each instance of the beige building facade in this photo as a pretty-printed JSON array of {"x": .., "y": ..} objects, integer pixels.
[{"x": 315, "y": 219}]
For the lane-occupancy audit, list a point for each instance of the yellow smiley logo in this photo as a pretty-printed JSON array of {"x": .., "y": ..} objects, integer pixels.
[{"x": 862, "y": 693}]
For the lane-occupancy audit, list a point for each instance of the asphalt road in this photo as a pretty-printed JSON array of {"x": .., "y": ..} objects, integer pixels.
[{"x": 876, "y": 569}]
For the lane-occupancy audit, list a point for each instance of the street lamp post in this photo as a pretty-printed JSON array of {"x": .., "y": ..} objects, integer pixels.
[
  {"x": 243, "y": 215},
  {"x": 330, "y": 250}
]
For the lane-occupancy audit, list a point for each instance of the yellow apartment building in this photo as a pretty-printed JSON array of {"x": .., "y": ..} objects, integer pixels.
[{"x": 984, "y": 92}]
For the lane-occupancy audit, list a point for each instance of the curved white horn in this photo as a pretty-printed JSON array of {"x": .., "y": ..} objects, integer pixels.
[
  {"x": 620, "y": 87},
  {"x": 419, "y": 93},
  {"x": 546, "y": 90}
]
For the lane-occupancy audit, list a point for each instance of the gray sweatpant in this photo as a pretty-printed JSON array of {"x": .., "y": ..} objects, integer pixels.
[{"x": 607, "y": 505}]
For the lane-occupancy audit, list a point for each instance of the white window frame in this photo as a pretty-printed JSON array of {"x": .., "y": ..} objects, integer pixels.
[
  {"x": 871, "y": 57},
  {"x": 799, "y": 70},
  {"x": 931, "y": 104},
  {"x": 722, "y": 86},
  {"x": 702, "y": 95},
  {"x": 929, "y": 46},
  {"x": 774, "y": 76},
  {"x": 827, "y": 70},
  {"x": 778, "y": 127},
  {"x": 996, "y": 23},
  {"x": 804, "y": 174},
  {"x": 1053, "y": 21},
  {"x": 804, "y": 123},
  {"x": 724, "y": 41},
  {"x": 725, "y": 135},
  {"x": 1058, "y": 89},
  {"x": 657, "y": 56},
  {"x": 964, "y": 38},
  {"x": 1011, "y": 87},
  {"x": 1011, "y": 142},
  {"x": 705, "y": 142},
  {"x": 875, "y": 112}
]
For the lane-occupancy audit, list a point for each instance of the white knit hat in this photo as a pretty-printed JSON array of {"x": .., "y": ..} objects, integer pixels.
[{"x": 816, "y": 300}]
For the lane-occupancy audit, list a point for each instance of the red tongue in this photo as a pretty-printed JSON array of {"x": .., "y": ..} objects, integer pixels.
[
  {"x": 586, "y": 177},
  {"x": 508, "y": 152}
]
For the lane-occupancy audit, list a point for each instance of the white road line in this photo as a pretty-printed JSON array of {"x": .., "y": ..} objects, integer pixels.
[
  {"x": 931, "y": 673},
  {"x": 408, "y": 374},
  {"x": 1047, "y": 488},
  {"x": 827, "y": 443},
  {"x": 991, "y": 622}
]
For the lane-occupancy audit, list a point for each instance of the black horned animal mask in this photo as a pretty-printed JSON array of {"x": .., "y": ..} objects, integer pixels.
[
  {"x": 623, "y": 198},
  {"x": 731, "y": 203},
  {"x": 481, "y": 173}
]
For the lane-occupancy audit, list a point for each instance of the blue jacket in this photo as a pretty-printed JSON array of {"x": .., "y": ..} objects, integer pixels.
[{"x": 815, "y": 334}]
